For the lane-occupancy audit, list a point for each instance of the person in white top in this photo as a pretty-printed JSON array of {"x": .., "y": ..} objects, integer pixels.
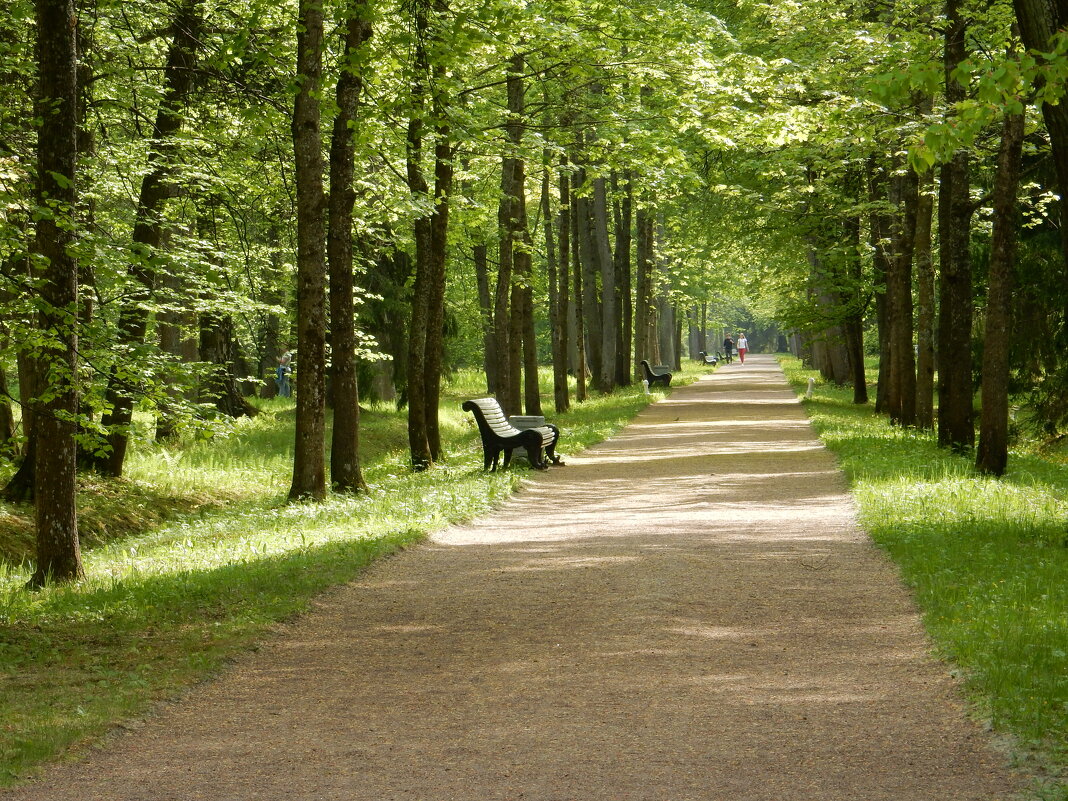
[{"x": 741, "y": 344}]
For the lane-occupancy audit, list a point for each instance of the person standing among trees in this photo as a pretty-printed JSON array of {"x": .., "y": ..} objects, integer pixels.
[
  {"x": 728, "y": 348},
  {"x": 284, "y": 370},
  {"x": 743, "y": 346}
]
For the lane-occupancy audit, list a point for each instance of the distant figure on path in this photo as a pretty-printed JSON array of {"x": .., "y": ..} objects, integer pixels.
[
  {"x": 284, "y": 370},
  {"x": 728, "y": 348},
  {"x": 743, "y": 346}
]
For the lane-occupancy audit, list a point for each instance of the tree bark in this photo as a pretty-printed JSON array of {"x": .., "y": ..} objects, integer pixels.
[
  {"x": 345, "y": 472},
  {"x": 625, "y": 304},
  {"x": 556, "y": 254},
  {"x": 992, "y": 454},
  {"x": 925, "y": 301},
  {"x": 956, "y": 428},
  {"x": 644, "y": 312},
  {"x": 309, "y": 461},
  {"x": 55, "y": 469},
  {"x": 418, "y": 439},
  {"x": 579, "y": 315},
  {"x": 902, "y": 400},
  {"x": 480, "y": 256},
  {"x": 879, "y": 225}
]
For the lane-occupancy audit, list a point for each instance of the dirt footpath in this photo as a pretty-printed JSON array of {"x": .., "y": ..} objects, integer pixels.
[{"x": 687, "y": 611}]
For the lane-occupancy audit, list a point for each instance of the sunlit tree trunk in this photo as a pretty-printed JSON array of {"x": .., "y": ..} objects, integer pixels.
[
  {"x": 58, "y": 549},
  {"x": 925, "y": 306},
  {"x": 309, "y": 453},
  {"x": 992, "y": 454},
  {"x": 955, "y": 414}
]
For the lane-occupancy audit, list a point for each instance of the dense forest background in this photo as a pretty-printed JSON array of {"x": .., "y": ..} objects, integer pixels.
[{"x": 191, "y": 188}]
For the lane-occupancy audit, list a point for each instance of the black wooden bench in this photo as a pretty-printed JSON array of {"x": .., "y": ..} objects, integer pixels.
[
  {"x": 500, "y": 435},
  {"x": 712, "y": 360},
  {"x": 655, "y": 377}
]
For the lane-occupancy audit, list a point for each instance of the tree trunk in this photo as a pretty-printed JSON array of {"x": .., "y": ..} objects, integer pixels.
[
  {"x": 217, "y": 350},
  {"x": 853, "y": 326},
  {"x": 58, "y": 549},
  {"x": 418, "y": 440},
  {"x": 579, "y": 315},
  {"x": 556, "y": 254},
  {"x": 156, "y": 189},
  {"x": 309, "y": 460},
  {"x": 439, "y": 231},
  {"x": 882, "y": 264},
  {"x": 925, "y": 301},
  {"x": 902, "y": 400},
  {"x": 1040, "y": 21},
  {"x": 479, "y": 254},
  {"x": 624, "y": 238},
  {"x": 606, "y": 378},
  {"x": 993, "y": 451},
  {"x": 593, "y": 319},
  {"x": 956, "y": 428},
  {"x": 643, "y": 303}
]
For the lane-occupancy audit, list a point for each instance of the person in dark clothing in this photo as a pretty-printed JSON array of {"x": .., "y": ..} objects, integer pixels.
[{"x": 728, "y": 349}]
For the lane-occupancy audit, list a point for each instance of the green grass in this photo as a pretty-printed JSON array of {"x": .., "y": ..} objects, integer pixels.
[
  {"x": 196, "y": 553},
  {"x": 987, "y": 558}
]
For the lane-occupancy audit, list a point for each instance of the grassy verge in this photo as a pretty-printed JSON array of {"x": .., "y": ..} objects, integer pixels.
[
  {"x": 987, "y": 558},
  {"x": 165, "y": 604}
]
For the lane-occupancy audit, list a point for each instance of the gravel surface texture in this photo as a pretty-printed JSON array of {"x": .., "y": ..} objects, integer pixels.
[{"x": 687, "y": 611}]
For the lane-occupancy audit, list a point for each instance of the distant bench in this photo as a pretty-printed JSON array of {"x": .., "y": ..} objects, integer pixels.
[
  {"x": 657, "y": 376},
  {"x": 500, "y": 433},
  {"x": 712, "y": 360}
]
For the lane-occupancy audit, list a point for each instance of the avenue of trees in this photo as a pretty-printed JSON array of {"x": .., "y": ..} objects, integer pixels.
[{"x": 398, "y": 187}]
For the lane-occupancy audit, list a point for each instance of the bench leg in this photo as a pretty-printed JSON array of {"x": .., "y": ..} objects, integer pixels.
[{"x": 550, "y": 450}]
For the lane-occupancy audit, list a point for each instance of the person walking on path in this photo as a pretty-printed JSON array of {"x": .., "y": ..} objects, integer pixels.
[
  {"x": 728, "y": 349},
  {"x": 742, "y": 345},
  {"x": 688, "y": 612}
]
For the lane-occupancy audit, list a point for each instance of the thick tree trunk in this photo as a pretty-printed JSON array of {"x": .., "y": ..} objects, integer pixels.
[
  {"x": 309, "y": 452},
  {"x": 925, "y": 302},
  {"x": 439, "y": 228},
  {"x": 418, "y": 440},
  {"x": 345, "y": 472},
  {"x": 156, "y": 189},
  {"x": 956, "y": 428},
  {"x": 58, "y": 549},
  {"x": 7, "y": 416},
  {"x": 508, "y": 316},
  {"x": 992, "y": 454},
  {"x": 217, "y": 349}
]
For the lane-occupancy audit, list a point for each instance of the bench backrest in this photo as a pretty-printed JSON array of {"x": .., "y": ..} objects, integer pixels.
[{"x": 493, "y": 416}]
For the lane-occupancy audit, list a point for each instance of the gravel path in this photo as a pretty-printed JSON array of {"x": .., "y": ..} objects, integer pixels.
[{"x": 687, "y": 611}]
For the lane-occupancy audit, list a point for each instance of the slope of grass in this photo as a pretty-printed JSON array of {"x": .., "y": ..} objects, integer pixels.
[{"x": 988, "y": 559}]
